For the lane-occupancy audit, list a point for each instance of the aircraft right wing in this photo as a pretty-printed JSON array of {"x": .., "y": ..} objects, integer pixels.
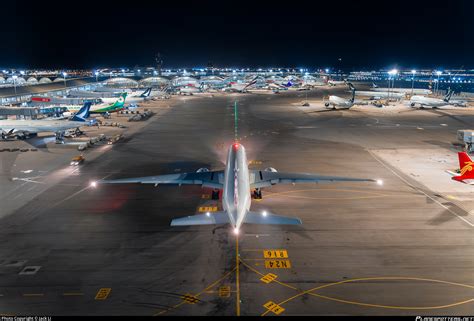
[
  {"x": 202, "y": 219},
  {"x": 264, "y": 178},
  {"x": 206, "y": 179}
]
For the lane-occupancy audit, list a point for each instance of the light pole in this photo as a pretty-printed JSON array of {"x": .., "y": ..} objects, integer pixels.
[
  {"x": 14, "y": 77},
  {"x": 64, "y": 78},
  {"x": 388, "y": 87},
  {"x": 393, "y": 73},
  {"x": 413, "y": 72},
  {"x": 438, "y": 73}
]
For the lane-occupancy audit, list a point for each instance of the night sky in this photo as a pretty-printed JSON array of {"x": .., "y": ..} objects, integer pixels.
[{"x": 236, "y": 33}]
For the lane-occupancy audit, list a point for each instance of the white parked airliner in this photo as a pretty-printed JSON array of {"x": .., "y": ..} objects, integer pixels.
[
  {"x": 431, "y": 102},
  {"x": 26, "y": 128},
  {"x": 342, "y": 102},
  {"x": 237, "y": 182}
]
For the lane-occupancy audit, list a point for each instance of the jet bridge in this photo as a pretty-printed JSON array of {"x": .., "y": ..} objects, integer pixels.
[{"x": 466, "y": 136}]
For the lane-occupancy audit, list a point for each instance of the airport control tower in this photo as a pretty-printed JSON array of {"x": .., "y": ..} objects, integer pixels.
[{"x": 159, "y": 63}]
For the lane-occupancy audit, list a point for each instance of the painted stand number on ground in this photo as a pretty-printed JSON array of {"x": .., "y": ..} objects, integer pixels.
[
  {"x": 277, "y": 264},
  {"x": 275, "y": 254},
  {"x": 208, "y": 209},
  {"x": 275, "y": 308},
  {"x": 224, "y": 291},
  {"x": 267, "y": 278},
  {"x": 103, "y": 293}
]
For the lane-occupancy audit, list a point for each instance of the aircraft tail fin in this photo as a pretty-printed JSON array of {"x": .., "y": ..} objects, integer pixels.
[
  {"x": 146, "y": 93},
  {"x": 351, "y": 86},
  {"x": 270, "y": 219},
  {"x": 120, "y": 101},
  {"x": 252, "y": 82},
  {"x": 466, "y": 166},
  {"x": 211, "y": 218},
  {"x": 83, "y": 113},
  {"x": 448, "y": 95}
]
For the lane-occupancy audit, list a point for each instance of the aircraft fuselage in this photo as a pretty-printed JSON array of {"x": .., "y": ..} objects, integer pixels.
[{"x": 236, "y": 196}]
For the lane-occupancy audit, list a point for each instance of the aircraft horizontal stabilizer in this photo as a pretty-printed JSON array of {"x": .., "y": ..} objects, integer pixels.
[
  {"x": 202, "y": 219},
  {"x": 267, "y": 218}
]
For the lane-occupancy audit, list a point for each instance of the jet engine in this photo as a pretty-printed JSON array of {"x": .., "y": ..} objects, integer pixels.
[{"x": 270, "y": 169}]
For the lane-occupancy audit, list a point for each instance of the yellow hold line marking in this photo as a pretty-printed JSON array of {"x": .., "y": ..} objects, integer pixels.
[
  {"x": 198, "y": 294},
  {"x": 273, "y": 307},
  {"x": 224, "y": 291},
  {"x": 267, "y": 278},
  {"x": 189, "y": 298},
  {"x": 310, "y": 292},
  {"x": 103, "y": 293}
]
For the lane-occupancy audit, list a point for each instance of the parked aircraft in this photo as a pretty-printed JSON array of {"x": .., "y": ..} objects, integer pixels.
[
  {"x": 342, "y": 102},
  {"x": 132, "y": 98},
  {"x": 25, "y": 128},
  {"x": 430, "y": 101},
  {"x": 466, "y": 166},
  {"x": 240, "y": 87},
  {"x": 117, "y": 105}
]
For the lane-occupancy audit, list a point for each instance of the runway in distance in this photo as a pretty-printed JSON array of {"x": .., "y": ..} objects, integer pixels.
[
  {"x": 380, "y": 94},
  {"x": 416, "y": 91},
  {"x": 237, "y": 183},
  {"x": 466, "y": 166}
]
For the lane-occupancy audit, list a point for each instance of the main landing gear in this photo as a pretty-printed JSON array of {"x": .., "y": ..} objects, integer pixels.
[
  {"x": 59, "y": 137},
  {"x": 215, "y": 194},
  {"x": 257, "y": 194}
]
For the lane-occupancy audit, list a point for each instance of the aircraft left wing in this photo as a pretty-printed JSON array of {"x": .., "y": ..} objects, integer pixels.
[
  {"x": 206, "y": 179},
  {"x": 264, "y": 178}
]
